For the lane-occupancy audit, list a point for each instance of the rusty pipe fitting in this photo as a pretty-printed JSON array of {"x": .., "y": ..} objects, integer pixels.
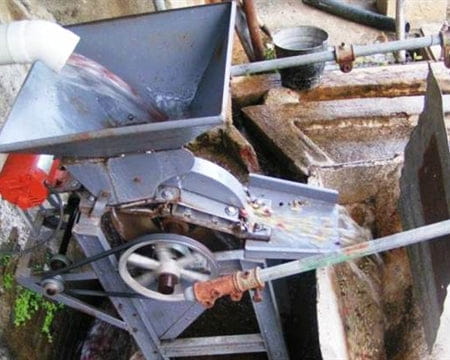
[
  {"x": 345, "y": 56},
  {"x": 234, "y": 285},
  {"x": 445, "y": 37}
]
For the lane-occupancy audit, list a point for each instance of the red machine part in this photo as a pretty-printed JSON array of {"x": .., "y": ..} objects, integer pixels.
[{"x": 24, "y": 177}]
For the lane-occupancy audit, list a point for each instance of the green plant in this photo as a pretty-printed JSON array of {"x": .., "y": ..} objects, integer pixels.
[
  {"x": 28, "y": 303},
  {"x": 8, "y": 281},
  {"x": 4, "y": 260},
  {"x": 269, "y": 53}
]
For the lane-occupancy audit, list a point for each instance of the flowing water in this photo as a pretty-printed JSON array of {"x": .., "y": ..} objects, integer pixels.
[
  {"x": 349, "y": 231},
  {"x": 119, "y": 102},
  {"x": 176, "y": 106}
]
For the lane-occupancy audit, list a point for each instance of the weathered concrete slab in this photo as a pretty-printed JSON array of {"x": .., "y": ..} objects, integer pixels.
[
  {"x": 314, "y": 134},
  {"x": 356, "y": 147},
  {"x": 250, "y": 90},
  {"x": 381, "y": 81}
]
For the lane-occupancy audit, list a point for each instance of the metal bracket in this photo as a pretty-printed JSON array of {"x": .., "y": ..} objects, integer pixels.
[
  {"x": 445, "y": 35},
  {"x": 345, "y": 56},
  {"x": 99, "y": 206}
]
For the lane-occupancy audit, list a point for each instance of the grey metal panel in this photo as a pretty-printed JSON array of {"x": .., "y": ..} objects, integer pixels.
[
  {"x": 213, "y": 182},
  {"x": 165, "y": 53},
  {"x": 425, "y": 199},
  {"x": 175, "y": 59},
  {"x": 215, "y": 345},
  {"x": 133, "y": 177},
  {"x": 94, "y": 177},
  {"x": 304, "y": 219},
  {"x": 293, "y": 188}
]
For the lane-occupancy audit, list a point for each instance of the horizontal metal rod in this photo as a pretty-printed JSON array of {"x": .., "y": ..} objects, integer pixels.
[
  {"x": 214, "y": 345},
  {"x": 329, "y": 55},
  {"x": 410, "y": 237}
]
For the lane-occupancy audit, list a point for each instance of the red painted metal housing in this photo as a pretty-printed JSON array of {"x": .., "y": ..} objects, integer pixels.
[{"x": 24, "y": 177}]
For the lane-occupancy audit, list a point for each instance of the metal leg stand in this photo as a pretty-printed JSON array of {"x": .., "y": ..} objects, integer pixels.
[{"x": 269, "y": 320}]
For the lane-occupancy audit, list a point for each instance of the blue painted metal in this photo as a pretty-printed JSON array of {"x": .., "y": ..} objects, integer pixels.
[
  {"x": 303, "y": 219},
  {"x": 177, "y": 60}
]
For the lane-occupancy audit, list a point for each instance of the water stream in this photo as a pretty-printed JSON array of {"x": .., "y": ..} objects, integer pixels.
[{"x": 121, "y": 104}]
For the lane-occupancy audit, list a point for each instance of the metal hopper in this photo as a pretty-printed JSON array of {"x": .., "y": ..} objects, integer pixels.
[{"x": 178, "y": 60}]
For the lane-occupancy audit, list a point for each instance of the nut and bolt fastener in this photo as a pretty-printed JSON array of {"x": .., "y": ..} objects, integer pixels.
[
  {"x": 231, "y": 211},
  {"x": 187, "y": 213},
  {"x": 258, "y": 227},
  {"x": 167, "y": 194}
]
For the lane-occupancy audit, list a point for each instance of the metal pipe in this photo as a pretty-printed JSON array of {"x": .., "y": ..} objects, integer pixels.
[
  {"x": 355, "y": 14},
  {"x": 234, "y": 285},
  {"x": 410, "y": 237},
  {"x": 329, "y": 55},
  {"x": 253, "y": 27},
  {"x": 400, "y": 28}
]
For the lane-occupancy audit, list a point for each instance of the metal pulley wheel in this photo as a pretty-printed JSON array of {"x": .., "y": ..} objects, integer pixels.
[{"x": 163, "y": 265}]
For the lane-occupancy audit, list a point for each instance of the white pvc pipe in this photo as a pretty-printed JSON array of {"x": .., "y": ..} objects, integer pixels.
[{"x": 24, "y": 42}]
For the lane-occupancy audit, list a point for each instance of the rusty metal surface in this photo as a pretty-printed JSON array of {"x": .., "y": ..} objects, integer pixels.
[
  {"x": 253, "y": 27},
  {"x": 445, "y": 34},
  {"x": 177, "y": 60},
  {"x": 425, "y": 199},
  {"x": 345, "y": 56}
]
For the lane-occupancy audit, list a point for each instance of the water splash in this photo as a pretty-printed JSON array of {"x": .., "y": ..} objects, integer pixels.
[
  {"x": 349, "y": 231},
  {"x": 176, "y": 106},
  {"x": 122, "y": 105}
]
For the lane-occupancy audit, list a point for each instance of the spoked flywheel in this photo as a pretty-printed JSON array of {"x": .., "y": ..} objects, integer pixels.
[{"x": 162, "y": 266}]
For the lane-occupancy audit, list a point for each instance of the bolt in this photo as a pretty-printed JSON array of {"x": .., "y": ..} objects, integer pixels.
[
  {"x": 258, "y": 227},
  {"x": 74, "y": 184},
  {"x": 187, "y": 213},
  {"x": 91, "y": 198},
  {"x": 242, "y": 228},
  {"x": 167, "y": 194},
  {"x": 231, "y": 211},
  {"x": 260, "y": 202},
  {"x": 214, "y": 220}
]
